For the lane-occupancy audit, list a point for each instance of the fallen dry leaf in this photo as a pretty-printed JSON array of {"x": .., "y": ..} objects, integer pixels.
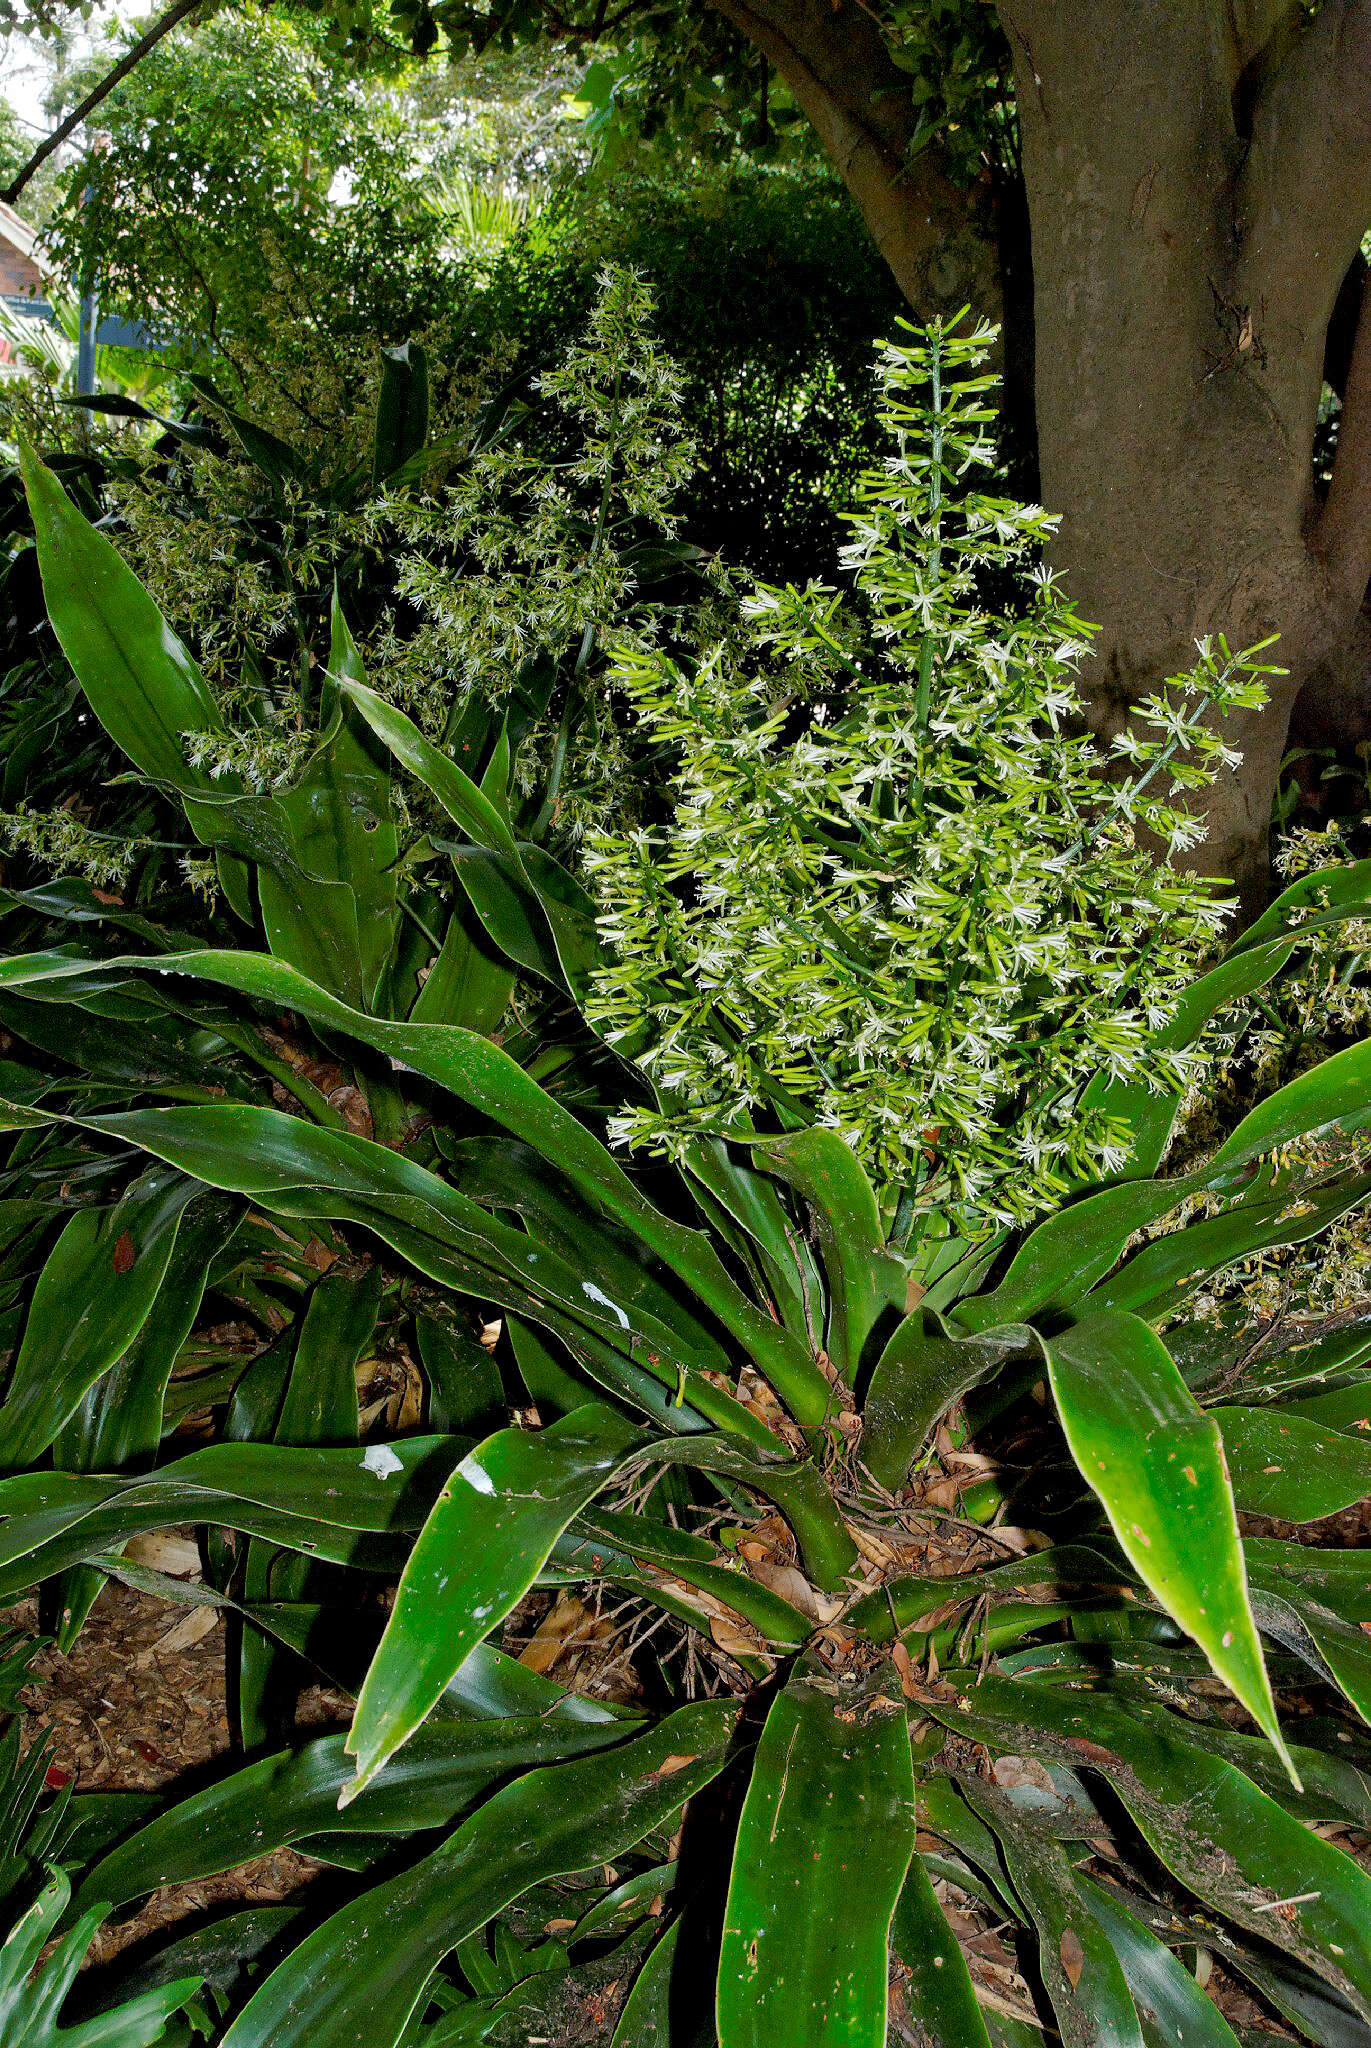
[
  {"x": 1072, "y": 1955},
  {"x": 904, "y": 1665},
  {"x": 789, "y": 1582},
  {"x": 1011, "y": 1772},
  {"x": 177, "y": 1556},
  {"x": 191, "y": 1628},
  {"x": 569, "y": 1622},
  {"x": 732, "y": 1640}
]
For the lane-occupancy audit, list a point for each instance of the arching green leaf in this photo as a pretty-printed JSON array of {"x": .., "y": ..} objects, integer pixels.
[{"x": 1156, "y": 1462}]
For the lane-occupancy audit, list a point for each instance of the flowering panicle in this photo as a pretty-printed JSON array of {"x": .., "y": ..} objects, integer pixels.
[
  {"x": 899, "y": 891},
  {"x": 63, "y": 842}
]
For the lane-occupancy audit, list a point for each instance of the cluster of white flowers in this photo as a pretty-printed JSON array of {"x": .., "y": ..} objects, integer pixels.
[
  {"x": 900, "y": 891},
  {"x": 65, "y": 843},
  {"x": 538, "y": 548}
]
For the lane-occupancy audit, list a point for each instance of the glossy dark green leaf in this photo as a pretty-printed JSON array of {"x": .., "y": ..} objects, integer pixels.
[
  {"x": 508, "y": 909},
  {"x": 1338, "y": 1648},
  {"x": 1057, "y": 1575},
  {"x": 119, "y": 1421},
  {"x": 318, "y": 1406},
  {"x": 664, "y": 1561},
  {"x": 31, "y": 1999},
  {"x": 463, "y": 800},
  {"x": 645, "y": 2021},
  {"x": 1088, "y": 1989},
  {"x": 1180, "y": 2014},
  {"x": 1346, "y": 1407},
  {"x": 1156, "y": 1461},
  {"x": 285, "y": 1798},
  {"x": 747, "y": 1209},
  {"x": 1076, "y": 1246},
  {"x": 93, "y": 1296},
  {"x": 1303, "y": 903},
  {"x": 863, "y": 1279},
  {"x": 1229, "y": 1843},
  {"x": 1337, "y": 1579},
  {"x": 488, "y": 1536},
  {"x": 481, "y": 1074},
  {"x": 938, "y": 1993},
  {"x": 824, "y": 1845},
  {"x": 139, "y": 680},
  {"x": 275, "y": 458},
  {"x": 502, "y": 1174},
  {"x": 1289, "y": 1467},
  {"x": 921, "y": 1372},
  {"x": 328, "y": 1504},
  {"x": 330, "y": 908},
  {"x": 1157, "y": 1279},
  {"x": 469, "y": 982},
  {"x": 1254, "y": 960},
  {"x": 465, "y": 1392},
  {"x": 307, "y": 1172},
  {"x": 401, "y": 409},
  {"x": 226, "y": 1953},
  {"x": 357, "y": 1980},
  {"x": 491, "y": 1686},
  {"x": 532, "y": 908}
]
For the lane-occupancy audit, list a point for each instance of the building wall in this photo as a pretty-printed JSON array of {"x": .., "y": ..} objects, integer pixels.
[{"x": 18, "y": 273}]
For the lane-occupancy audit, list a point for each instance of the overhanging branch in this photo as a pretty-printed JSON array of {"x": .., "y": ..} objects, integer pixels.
[
  {"x": 834, "y": 58},
  {"x": 1304, "y": 194},
  {"x": 130, "y": 59}
]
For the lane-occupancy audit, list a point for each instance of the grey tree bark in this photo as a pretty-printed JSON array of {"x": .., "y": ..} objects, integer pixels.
[{"x": 1198, "y": 177}]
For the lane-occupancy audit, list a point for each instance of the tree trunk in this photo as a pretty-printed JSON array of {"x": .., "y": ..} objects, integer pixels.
[
  {"x": 1198, "y": 176},
  {"x": 1188, "y": 246}
]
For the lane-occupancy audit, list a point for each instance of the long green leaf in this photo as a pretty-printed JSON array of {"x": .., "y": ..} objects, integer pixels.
[
  {"x": 139, "y": 680},
  {"x": 31, "y": 2001},
  {"x": 93, "y": 1297},
  {"x": 286, "y": 1798},
  {"x": 331, "y": 910},
  {"x": 328, "y": 1504},
  {"x": 119, "y": 1422},
  {"x": 1156, "y": 1462},
  {"x": 939, "y": 1995},
  {"x": 1337, "y": 1649},
  {"x": 1161, "y": 1985},
  {"x": 863, "y": 1279},
  {"x": 1286, "y": 1466},
  {"x": 1254, "y": 960},
  {"x": 1088, "y": 1989},
  {"x": 1075, "y": 1247},
  {"x": 824, "y": 1845},
  {"x": 356, "y": 1981},
  {"x": 1231, "y": 1844},
  {"x": 921, "y": 1372},
  {"x": 1157, "y": 1279},
  {"x": 401, "y": 409},
  {"x": 490, "y": 1532},
  {"x": 484, "y": 1076}
]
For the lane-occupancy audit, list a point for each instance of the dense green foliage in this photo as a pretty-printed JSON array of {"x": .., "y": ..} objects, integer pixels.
[
  {"x": 900, "y": 1626},
  {"x": 273, "y": 215}
]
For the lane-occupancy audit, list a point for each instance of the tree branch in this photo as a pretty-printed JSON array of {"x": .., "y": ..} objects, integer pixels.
[
  {"x": 1343, "y": 534},
  {"x": 170, "y": 20},
  {"x": 834, "y": 58},
  {"x": 1304, "y": 193}
]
